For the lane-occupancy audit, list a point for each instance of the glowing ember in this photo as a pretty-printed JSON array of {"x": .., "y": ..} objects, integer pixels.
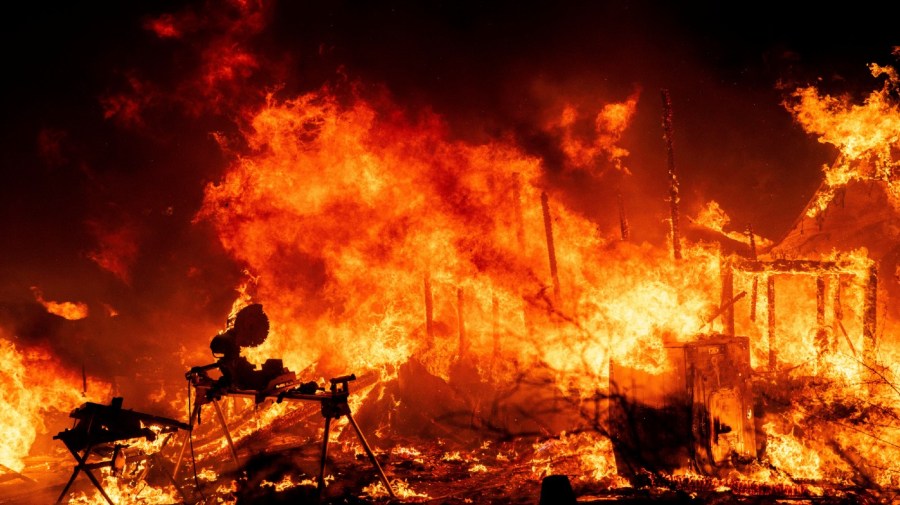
[{"x": 123, "y": 491}]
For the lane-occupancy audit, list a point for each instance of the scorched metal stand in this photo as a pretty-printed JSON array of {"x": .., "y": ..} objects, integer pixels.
[{"x": 333, "y": 403}]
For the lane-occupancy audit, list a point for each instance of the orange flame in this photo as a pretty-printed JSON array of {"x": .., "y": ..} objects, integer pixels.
[
  {"x": 583, "y": 145},
  {"x": 341, "y": 211},
  {"x": 33, "y": 384},
  {"x": 72, "y": 311},
  {"x": 867, "y": 135},
  {"x": 713, "y": 217}
]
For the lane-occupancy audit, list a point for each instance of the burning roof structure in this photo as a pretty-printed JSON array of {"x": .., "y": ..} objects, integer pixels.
[{"x": 497, "y": 265}]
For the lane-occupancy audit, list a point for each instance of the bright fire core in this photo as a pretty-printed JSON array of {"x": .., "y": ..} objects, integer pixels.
[{"x": 380, "y": 246}]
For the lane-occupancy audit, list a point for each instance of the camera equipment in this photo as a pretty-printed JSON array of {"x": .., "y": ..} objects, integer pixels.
[{"x": 249, "y": 328}]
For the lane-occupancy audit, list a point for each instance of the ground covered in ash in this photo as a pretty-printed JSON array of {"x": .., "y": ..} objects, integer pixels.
[
  {"x": 282, "y": 471},
  {"x": 457, "y": 463}
]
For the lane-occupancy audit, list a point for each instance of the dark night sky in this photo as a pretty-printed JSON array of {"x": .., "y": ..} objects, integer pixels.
[{"x": 488, "y": 68}]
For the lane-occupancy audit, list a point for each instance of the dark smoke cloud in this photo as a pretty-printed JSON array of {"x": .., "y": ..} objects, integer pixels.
[{"x": 114, "y": 113}]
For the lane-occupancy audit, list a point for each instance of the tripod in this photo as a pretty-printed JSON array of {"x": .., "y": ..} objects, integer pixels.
[
  {"x": 333, "y": 404},
  {"x": 99, "y": 431}
]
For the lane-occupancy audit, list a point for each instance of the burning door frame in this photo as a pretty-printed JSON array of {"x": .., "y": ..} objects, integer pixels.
[
  {"x": 695, "y": 415},
  {"x": 704, "y": 413}
]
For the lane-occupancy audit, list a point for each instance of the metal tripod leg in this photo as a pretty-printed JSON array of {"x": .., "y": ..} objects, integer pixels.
[
  {"x": 321, "y": 481},
  {"x": 99, "y": 486},
  {"x": 227, "y": 433},
  {"x": 362, "y": 440},
  {"x": 159, "y": 463},
  {"x": 82, "y": 466},
  {"x": 6, "y": 469},
  {"x": 196, "y": 415},
  {"x": 68, "y": 484},
  {"x": 364, "y": 443}
]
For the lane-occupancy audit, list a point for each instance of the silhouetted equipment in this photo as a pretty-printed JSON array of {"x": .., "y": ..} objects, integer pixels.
[
  {"x": 557, "y": 490},
  {"x": 249, "y": 328},
  {"x": 14, "y": 474},
  {"x": 103, "y": 431},
  {"x": 699, "y": 413}
]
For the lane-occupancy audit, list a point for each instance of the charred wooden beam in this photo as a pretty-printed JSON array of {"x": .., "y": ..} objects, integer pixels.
[
  {"x": 838, "y": 307},
  {"x": 822, "y": 344},
  {"x": 754, "y": 297},
  {"x": 463, "y": 344},
  {"x": 839, "y": 315},
  {"x": 820, "y": 301},
  {"x": 770, "y": 300},
  {"x": 870, "y": 313},
  {"x": 551, "y": 249},
  {"x": 495, "y": 325},
  {"x": 791, "y": 266},
  {"x": 726, "y": 305},
  {"x": 673, "y": 176},
  {"x": 624, "y": 228},
  {"x": 727, "y": 299},
  {"x": 429, "y": 309},
  {"x": 517, "y": 201},
  {"x": 754, "y": 291},
  {"x": 520, "y": 237},
  {"x": 752, "y": 242},
  {"x": 6, "y": 469}
]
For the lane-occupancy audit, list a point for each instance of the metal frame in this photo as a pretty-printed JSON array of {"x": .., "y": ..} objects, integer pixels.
[{"x": 334, "y": 406}]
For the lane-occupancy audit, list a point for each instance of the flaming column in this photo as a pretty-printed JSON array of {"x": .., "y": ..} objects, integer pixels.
[
  {"x": 727, "y": 298},
  {"x": 770, "y": 299},
  {"x": 673, "y": 177},
  {"x": 429, "y": 310},
  {"x": 551, "y": 249},
  {"x": 754, "y": 296},
  {"x": 823, "y": 345},
  {"x": 870, "y": 314}
]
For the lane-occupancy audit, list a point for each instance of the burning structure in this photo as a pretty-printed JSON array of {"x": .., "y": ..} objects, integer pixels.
[{"x": 514, "y": 302}]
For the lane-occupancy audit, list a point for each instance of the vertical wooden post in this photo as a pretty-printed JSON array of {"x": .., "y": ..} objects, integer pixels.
[
  {"x": 517, "y": 201},
  {"x": 463, "y": 344},
  {"x": 429, "y": 309},
  {"x": 870, "y": 321},
  {"x": 770, "y": 297},
  {"x": 754, "y": 290},
  {"x": 752, "y": 242},
  {"x": 551, "y": 249},
  {"x": 520, "y": 237},
  {"x": 623, "y": 219},
  {"x": 673, "y": 175},
  {"x": 727, "y": 296},
  {"x": 495, "y": 324},
  {"x": 754, "y": 297},
  {"x": 822, "y": 345}
]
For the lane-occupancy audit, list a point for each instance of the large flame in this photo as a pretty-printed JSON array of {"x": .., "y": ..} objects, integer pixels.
[
  {"x": 33, "y": 385},
  {"x": 347, "y": 213},
  {"x": 373, "y": 239},
  {"x": 867, "y": 134}
]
